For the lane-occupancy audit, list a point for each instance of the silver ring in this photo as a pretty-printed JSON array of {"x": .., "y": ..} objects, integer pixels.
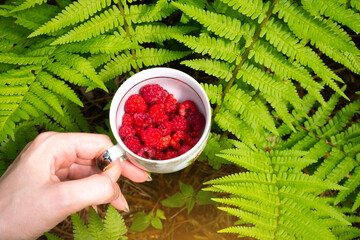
[{"x": 104, "y": 161}]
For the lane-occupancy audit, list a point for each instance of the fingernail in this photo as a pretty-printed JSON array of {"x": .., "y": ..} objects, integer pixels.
[
  {"x": 127, "y": 209},
  {"x": 149, "y": 179}
]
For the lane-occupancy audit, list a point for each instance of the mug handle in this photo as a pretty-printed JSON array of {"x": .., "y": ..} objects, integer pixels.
[{"x": 109, "y": 156}]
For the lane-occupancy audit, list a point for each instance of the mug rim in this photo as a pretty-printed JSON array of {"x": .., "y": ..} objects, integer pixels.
[{"x": 140, "y": 77}]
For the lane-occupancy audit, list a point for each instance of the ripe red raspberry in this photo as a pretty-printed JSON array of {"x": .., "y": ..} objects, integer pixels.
[
  {"x": 153, "y": 94},
  {"x": 171, "y": 104},
  {"x": 133, "y": 143},
  {"x": 186, "y": 108},
  {"x": 136, "y": 104},
  {"x": 176, "y": 139},
  {"x": 159, "y": 155},
  {"x": 127, "y": 119},
  {"x": 179, "y": 123},
  {"x": 126, "y": 131},
  {"x": 164, "y": 143},
  {"x": 171, "y": 154},
  {"x": 183, "y": 149},
  {"x": 195, "y": 134},
  {"x": 197, "y": 121},
  {"x": 157, "y": 113},
  {"x": 165, "y": 128},
  {"x": 146, "y": 152},
  {"x": 143, "y": 120},
  {"x": 194, "y": 141},
  {"x": 151, "y": 137}
]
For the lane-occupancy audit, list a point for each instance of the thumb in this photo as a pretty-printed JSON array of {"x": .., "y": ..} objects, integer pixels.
[{"x": 72, "y": 196}]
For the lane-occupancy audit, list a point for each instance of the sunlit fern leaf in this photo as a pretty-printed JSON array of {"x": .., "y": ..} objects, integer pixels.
[
  {"x": 95, "y": 224},
  {"x": 51, "y": 236},
  {"x": 355, "y": 4},
  {"x": 114, "y": 225},
  {"x": 99, "y": 24},
  {"x": 159, "y": 32},
  {"x": 280, "y": 37},
  {"x": 33, "y": 18},
  {"x": 342, "y": 170},
  {"x": 13, "y": 58},
  {"x": 82, "y": 65},
  {"x": 239, "y": 101},
  {"x": 156, "y": 56},
  {"x": 351, "y": 184},
  {"x": 28, "y": 4},
  {"x": 221, "y": 25},
  {"x": 140, "y": 13},
  {"x": 346, "y": 232},
  {"x": 214, "y": 92},
  {"x": 313, "y": 29},
  {"x": 254, "y": 9},
  {"x": 79, "y": 228},
  {"x": 108, "y": 44},
  {"x": 334, "y": 10},
  {"x": 217, "y": 48},
  {"x": 58, "y": 87},
  {"x": 76, "y": 12},
  {"x": 46, "y": 96},
  {"x": 100, "y": 59},
  {"x": 230, "y": 122},
  {"x": 117, "y": 66},
  {"x": 212, "y": 67}
]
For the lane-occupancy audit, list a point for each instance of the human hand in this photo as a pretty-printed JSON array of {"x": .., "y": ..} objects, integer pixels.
[{"x": 55, "y": 176}]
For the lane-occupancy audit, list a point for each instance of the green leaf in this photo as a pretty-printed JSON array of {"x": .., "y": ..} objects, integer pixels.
[
  {"x": 190, "y": 203},
  {"x": 156, "y": 223},
  {"x": 50, "y": 236},
  {"x": 140, "y": 223},
  {"x": 177, "y": 200},
  {"x": 186, "y": 190},
  {"x": 204, "y": 197},
  {"x": 114, "y": 225},
  {"x": 160, "y": 214}
]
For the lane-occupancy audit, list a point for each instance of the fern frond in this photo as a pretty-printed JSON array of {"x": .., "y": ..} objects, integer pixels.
[
  {"x": 159, "y": 32},
  {"x": 46, "y": 96},
  {"x": 79, "y": 228},
  {"x": 114, "y": 225},
  {"x": 13, "y": 58},
  {"x": 221, "y": 25},
  {"x": 346, "y": 232},
  {"x": 334, "y": 10},
  {"x": 148, "y": 12},
  {"x": 254, "y": 232},
  {"x": 108, "y": 44},
  {"x": 28, "y": 4},
  {"x": 213, "y": 92},
  {"x": 255, "y": 9},
  {"x": 156, "y": 57},
  {"x": 217, "y": 48},
  {"x": 312, "y": 29},
  {"x": 74, "y": 13},
  {"x": 212, "y": 67},
  {"x": 117, "y": 66},
  {"x": 97, "y": 25},
  {"x": 95, "y": 224},
  {"x": 351, "y": 184},
  {"x": 248, "y": 162},
  {"x": 342, "y": 170},
  {"x": 58, "y": 87}
]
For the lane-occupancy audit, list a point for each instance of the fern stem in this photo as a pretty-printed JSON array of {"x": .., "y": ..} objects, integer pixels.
[
  {"x": 243, "y": 59},
  {"x": 326, "y": 141},
  {"x": 127, "y": 30}
]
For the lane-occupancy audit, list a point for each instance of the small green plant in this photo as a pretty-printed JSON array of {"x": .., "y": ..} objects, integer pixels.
[
  {"x": 188, "y": 197},
  {"x": 142, "y": 220},
  {"x": 113, "y": 227}
]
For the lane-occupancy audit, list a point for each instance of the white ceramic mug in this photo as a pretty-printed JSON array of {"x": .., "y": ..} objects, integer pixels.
[{"x": 184, "y": 87}]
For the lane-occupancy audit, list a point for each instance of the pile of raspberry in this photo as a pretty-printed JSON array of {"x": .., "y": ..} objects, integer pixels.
[{"x": 156, "y": 126}]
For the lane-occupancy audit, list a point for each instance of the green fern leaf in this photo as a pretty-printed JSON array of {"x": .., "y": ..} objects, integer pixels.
[
  {"x": 217, "y": 48},
  {"x": 79, "y": 228},
  {"x": 334, "y": 10},
  {"x": 346, "y": 232},
  {"x": 355, "y": 4},
  {"x": 313, "y": 29},
  {"x": 74, "y": 13},
  {"x": 95, "y": 224},
  {"x": 221, "y": 25},
  {"x": 148, "y": 12},
  {"x": 50, "y": 236},
  {"x": 341, "y": 170},
  {"x": 13, "y": 58},
  {"x": 215, "y": 68},
  {"x": 58, "y": 87},
  {"x": 46, "y": 96},
  {"x": 255, "y": 9},
  {"x": 28, "y": 4},
  {"x": 108, "y": 44},
  {"x": 97, "y": 25},
  {"x": 351, "y": 184},
  {"x": 214, "y": 92},
  {"x": 159, "y": 32},
  {"x": 117, "y": 66},
  {"x": 156, "y": 57},
  {"x": 114, "y": 225}
]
